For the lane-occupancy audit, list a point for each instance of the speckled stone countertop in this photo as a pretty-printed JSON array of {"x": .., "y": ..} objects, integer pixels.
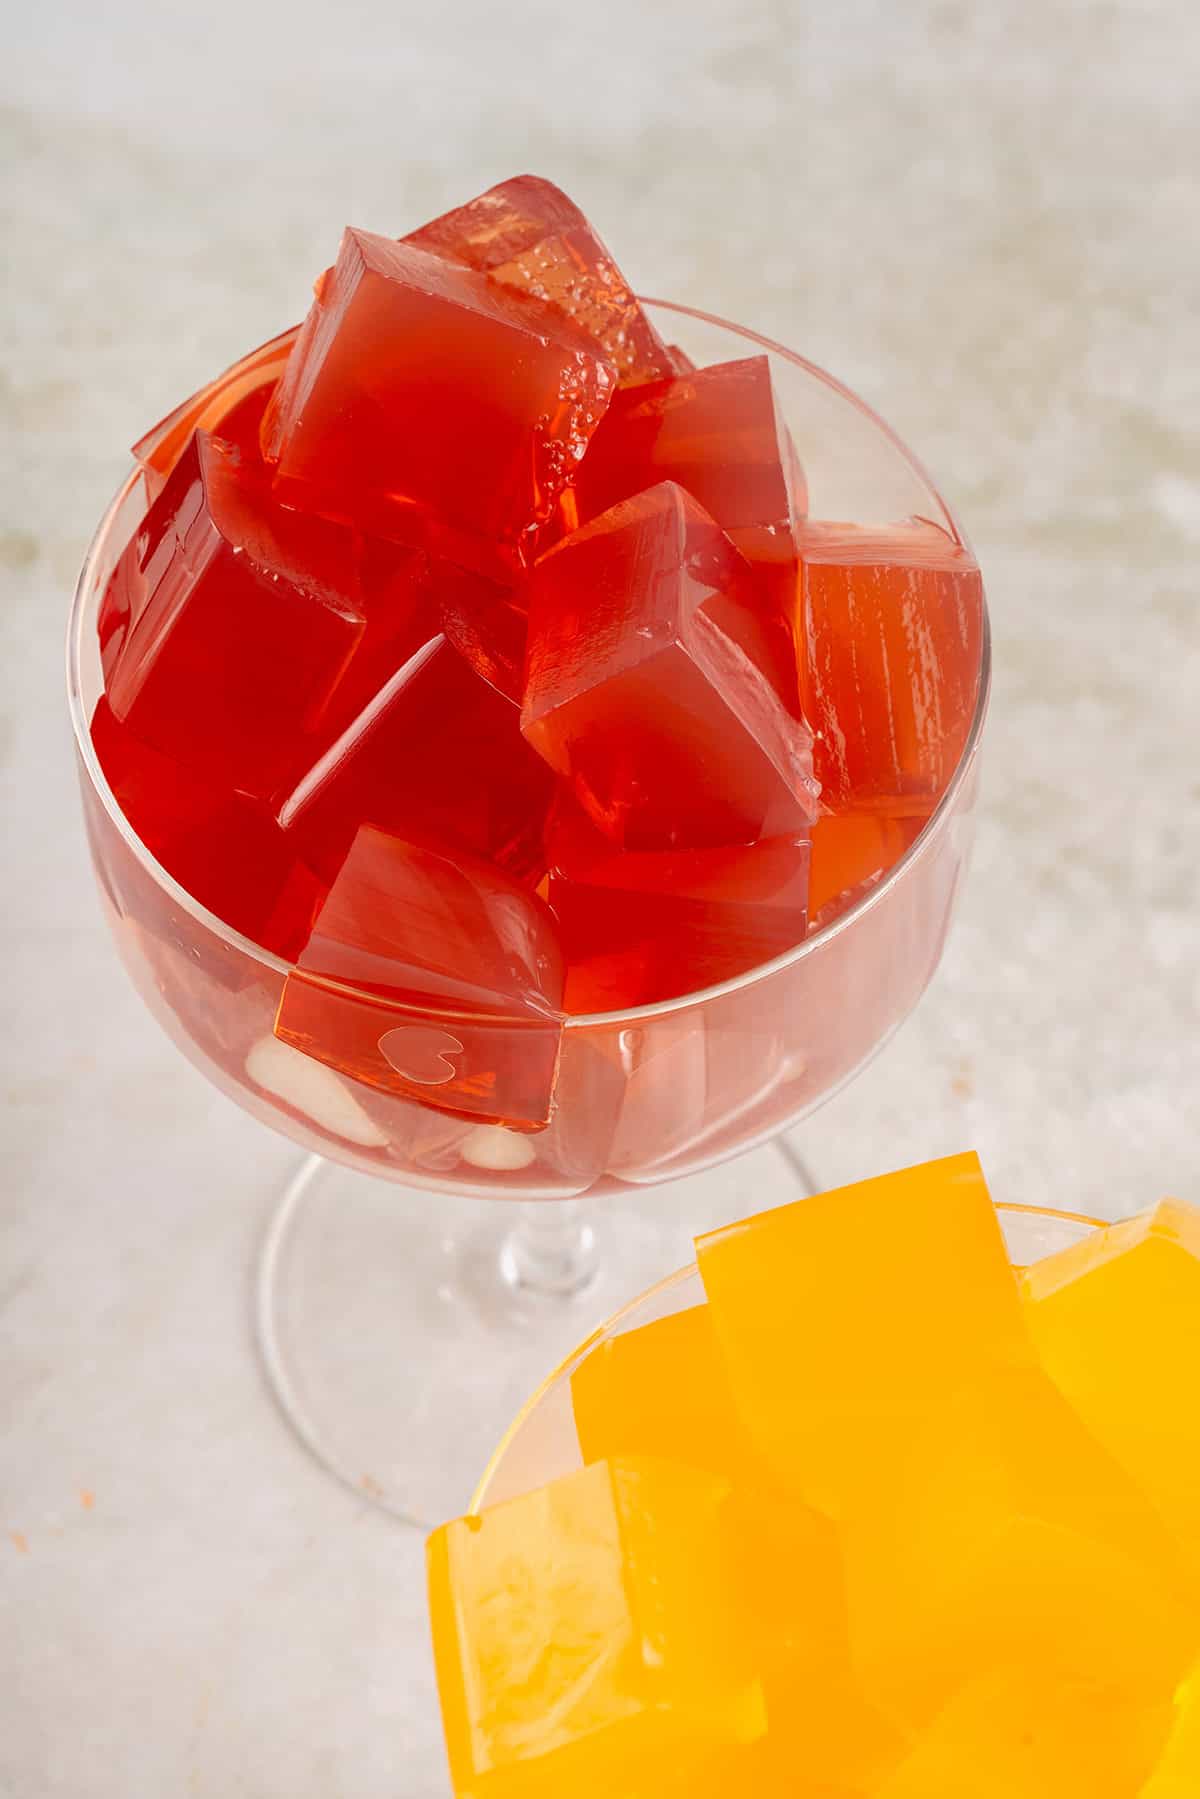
[{"x": 983, "y": 219}]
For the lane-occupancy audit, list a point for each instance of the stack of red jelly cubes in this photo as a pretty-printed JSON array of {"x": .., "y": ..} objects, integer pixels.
[{"x": 477, "y": 655}]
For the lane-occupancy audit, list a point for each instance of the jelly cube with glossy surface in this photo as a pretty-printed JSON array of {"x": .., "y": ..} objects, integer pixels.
[
  {"x": 889, "y": 634},
  {"x": 1116, "y": 1320},
  {"x": 230, "y": 408},
  {"x": 426, "y": 403},
  {"x": 487, "y": 623},
  {"x": 585, "y": 1636},
  {"x": 240, "y": 620},
  {"x": 718, "y": 432},
  {"x": 1018, "y": 1734},
  {"x": 1009, "y": 1538},
  {"x": 225, "y": 848},
  {"x": 529, "y": 237},
  {"x": 430, "y": 974},
  {"x": 436, "y": 753},
  {"x": 662, "y": 1389},
  {"x": 669, "y": 734},
  {"x": 875, "y": 1300},
  {"x": 643, "y": 926}
]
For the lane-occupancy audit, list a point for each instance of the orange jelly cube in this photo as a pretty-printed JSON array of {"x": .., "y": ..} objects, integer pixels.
[
  {"x": 586, "y": 1638},
  {"x": 1009, "y": 1539},
  {"x": 847, "y": 1319},
  {"x": 662, "y": 1389},
  {"x": 528, "y": 236},
  {"x": 431, "y": 975},
  {"x": 426, "y": 403},
  {"x": 1023, "y": 1735},
  {"x": 644, "y": 926},
  {"x": 1116, "y": 1320},
  {"x": 889, "y": 638},
  {"x": 670, "y": 735}
]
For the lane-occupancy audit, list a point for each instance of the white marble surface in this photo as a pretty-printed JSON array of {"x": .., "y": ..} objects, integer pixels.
[{"x": 982, "y": 217}]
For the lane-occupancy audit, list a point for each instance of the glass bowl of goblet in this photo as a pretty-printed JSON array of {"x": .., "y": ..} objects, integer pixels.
[{"x": 401, "y": 1317}]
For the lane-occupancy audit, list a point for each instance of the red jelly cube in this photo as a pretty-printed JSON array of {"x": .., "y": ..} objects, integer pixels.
[
  {"x": 427, "y": 404},
  {"x": 437, "y": 753},
  {"x": 850, "y": 855},
  {"x": 641, "y": 927},
  {"x": 430, "y": 974},
  {"x": 239, "y": 621},
  {"x": 486, "y": 623},
  {"x": 889, "y": 639},
  {"x": 528, "y": 236},
  {"x": 717, "y": 432},
  {"x": 224, "y": 848},
  {"x": 231, "y": 408},
  {"x": 671, "y": 736}
]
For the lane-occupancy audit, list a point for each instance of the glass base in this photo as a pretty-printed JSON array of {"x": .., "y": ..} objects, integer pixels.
[{"x": 402, "y": 1330}]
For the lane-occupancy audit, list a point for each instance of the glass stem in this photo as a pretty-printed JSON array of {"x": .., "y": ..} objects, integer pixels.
[{"x": 551, "y": 1250}]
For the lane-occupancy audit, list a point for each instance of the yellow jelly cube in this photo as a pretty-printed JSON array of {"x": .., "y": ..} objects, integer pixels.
[
  {"x": 843, "y": 1320},
  {"x": 1008, "y": 1538},
  {"x": 1116, "y": 1320},
  {"x": 586, "y": 1635},
  {"x": 1177, "y": 1772},
  {"x": 662, "y": 1389},
  {"x": 1029, "y": 1736}
]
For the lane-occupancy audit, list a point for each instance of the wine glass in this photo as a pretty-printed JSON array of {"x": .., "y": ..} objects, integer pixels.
[
  {"x": 541, "y": 1442},
  {"x": 398, "y": 1316}
]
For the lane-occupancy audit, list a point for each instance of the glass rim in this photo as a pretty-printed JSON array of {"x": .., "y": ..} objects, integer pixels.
[
  {"x": 574, "y": 1357},
  {"x": 629, "y": 1016}
]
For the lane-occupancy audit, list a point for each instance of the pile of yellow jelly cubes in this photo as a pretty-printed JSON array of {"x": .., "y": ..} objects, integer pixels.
[{"x": 882, "y": 1519}]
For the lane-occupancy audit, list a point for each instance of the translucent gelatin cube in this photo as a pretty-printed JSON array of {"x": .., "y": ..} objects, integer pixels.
[
  {"x": 425, "y": 403},
  {"x": 1021, "y": 1734},
  {"x": 528, "y": 236},
  {"x": 435, "y": 753},
  {"x": 718, "y": 432},
  {"x": 1116, "y": 1320},
  {"x": 585, "y": 1636},
  {"x": 240, "y": 620},
  {"x": 670, "y": 735},
  {"x": 430, "y": 974},
  {"x": 660, "y": 1390},
  {"x": 486, "y": 623},
  {"x": 1176, "y": 1772},
  {"x": 850, "y": 854},
  {"x": 641, "y": 926},
  {"x": 230, "y": 408},
  {"x": 893, "y": 1289},
  {"x": 889, "y": 637},
  {"x": 1002, "y": 1535},
  {"x": 223, "y": 847}
]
